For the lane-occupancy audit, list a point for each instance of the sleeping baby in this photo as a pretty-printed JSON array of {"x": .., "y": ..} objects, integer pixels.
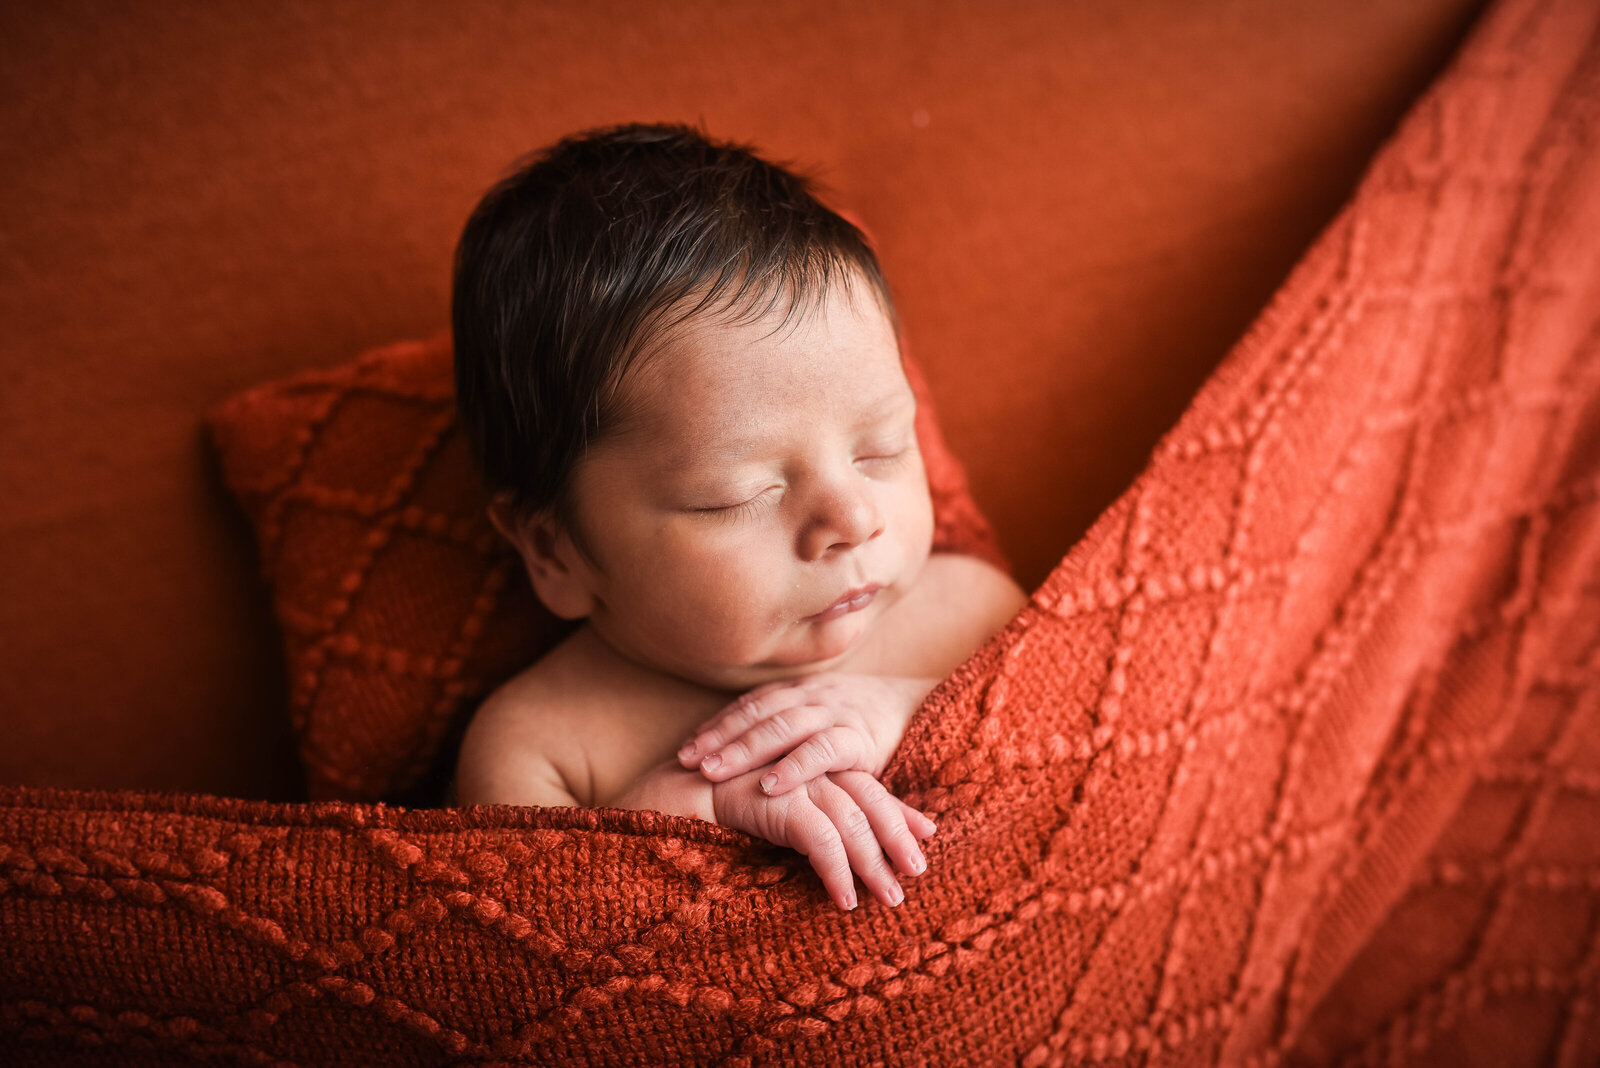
[{"x": 681, "y": 377}]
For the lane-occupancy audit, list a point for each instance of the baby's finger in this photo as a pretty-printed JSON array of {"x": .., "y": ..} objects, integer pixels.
[
  {"x": 815, "y": 835},
  {"x": 832, "y": 749},
  {"x": 890, "y": 818},
  {"x": 736, "y": 718},
  {"x": 767, "y": 741},
  {"x": 856, "y": 814}
]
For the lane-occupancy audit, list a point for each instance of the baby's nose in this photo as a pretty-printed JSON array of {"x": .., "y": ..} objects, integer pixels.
[{"x": 845, "y": 516}]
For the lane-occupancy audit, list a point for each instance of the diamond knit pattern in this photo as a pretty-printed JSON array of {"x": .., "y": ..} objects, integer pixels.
[{"x": 1294, "y": 759}]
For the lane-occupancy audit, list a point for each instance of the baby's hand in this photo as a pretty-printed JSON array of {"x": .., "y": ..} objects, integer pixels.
[
  {"x": 842, "y": 821},
  {"x": 821, "y": 723}
]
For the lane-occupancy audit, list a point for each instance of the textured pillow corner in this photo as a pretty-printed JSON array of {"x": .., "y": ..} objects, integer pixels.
[{"x": 400, "y": 606}]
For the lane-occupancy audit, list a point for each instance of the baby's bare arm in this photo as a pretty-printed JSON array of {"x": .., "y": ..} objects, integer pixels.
[
  {"x": 842, "y": 827},
  {"x": 669, "y": 788}
]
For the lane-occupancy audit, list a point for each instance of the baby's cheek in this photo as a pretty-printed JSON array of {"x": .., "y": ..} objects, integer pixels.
[
  {"x": 918, "y": 520},
  {"x": 729, "y": 609}
]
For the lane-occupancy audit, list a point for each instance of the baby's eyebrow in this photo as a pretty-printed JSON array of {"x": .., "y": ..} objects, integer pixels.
[
  {"x": 689, "y": 455},
  {"x": 734, "y": 448},
  {"x": 889, "y": 406}
]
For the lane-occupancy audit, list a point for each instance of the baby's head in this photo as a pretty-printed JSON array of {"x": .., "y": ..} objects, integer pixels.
[{"x": 680, "y": 375}]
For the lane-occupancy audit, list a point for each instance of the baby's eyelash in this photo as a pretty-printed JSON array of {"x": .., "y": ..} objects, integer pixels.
[
  {"x": 740, "y": 511},
  {"x": 733, "y": 512},
  {"x": 893, "y": 458}
]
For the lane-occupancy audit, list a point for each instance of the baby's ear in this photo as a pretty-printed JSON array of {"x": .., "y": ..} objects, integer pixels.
[
  {"x": 559, "y": 574},
  {"x": 501, "y": 515}
]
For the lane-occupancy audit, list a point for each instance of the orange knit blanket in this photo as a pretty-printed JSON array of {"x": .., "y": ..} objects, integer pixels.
[{"x": 1294, "y": 758}]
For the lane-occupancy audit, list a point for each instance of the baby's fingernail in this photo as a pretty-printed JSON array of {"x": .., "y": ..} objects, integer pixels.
[
  {"x": 847, "y": 900},
  {"x": 687, "y": 751},
  {"x": 896, "y": 895},
  {"x": 710, "y": 763},
  {"x": 768, "y": 782},
  {"x": 918, "y": 865}
]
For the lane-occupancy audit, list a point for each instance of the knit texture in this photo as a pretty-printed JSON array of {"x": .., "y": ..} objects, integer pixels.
[
  {"x": 399, "y": 604},
  {"x": 1295, "y": 758}
]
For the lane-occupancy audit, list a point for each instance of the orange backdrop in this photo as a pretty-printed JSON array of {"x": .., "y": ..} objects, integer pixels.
[{"x": 1080, "y": 208}]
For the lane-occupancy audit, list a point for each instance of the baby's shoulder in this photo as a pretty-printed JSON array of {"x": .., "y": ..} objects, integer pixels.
[
  {"x": 970, "y": 584},
  {"x": 957, "y": 603},
  {"x": 965, "y": 598},
  {"x": 536, "y": 723}
]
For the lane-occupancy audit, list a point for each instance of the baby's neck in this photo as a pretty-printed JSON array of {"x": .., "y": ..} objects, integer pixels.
[{"x": 587, "y": 650}]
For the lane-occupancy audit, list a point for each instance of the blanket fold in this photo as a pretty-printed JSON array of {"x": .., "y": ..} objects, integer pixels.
[{"x": 1295, "y": 757}]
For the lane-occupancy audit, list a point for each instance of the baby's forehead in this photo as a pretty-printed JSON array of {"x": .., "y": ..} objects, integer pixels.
[
  {"x": 727, "y": 384},
  {"x": 746, "y": 367}
]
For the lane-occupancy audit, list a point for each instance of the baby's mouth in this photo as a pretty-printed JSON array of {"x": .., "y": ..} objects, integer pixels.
[{"x": 852, "y": 601}]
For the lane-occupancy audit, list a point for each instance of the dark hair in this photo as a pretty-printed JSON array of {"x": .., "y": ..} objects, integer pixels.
[{"x": 591, "y": 249}]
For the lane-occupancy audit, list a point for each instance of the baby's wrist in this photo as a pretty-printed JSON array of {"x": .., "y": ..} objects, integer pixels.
[{"x": 671, "y": 789}]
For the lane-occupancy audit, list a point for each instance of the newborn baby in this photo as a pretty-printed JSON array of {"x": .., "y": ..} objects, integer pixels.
[{"x": 680, "y": 374}]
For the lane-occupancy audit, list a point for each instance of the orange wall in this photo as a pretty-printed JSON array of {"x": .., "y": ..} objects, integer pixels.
[{"x": 1080, "y": 207}]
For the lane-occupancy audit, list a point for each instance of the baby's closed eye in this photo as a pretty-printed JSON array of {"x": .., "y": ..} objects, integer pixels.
[
  {"x": 738, "y": 509},
  {"x": 887, "y": 460}
]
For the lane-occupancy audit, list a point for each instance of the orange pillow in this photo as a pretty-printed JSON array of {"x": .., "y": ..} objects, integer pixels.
[{"x": 400, "y": 605}]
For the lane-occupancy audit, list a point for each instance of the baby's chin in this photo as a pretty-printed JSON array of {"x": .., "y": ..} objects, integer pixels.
[{"x": 819, "y": 647}]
